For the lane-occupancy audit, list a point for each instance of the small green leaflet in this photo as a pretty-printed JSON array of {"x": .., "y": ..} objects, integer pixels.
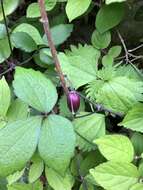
[
  {"x": 15, "y": 177},
  {"x": 31, "y": 31},
  {"x": 4, "y": 49},
  {"x": 22, "y": 186},
  {"x": 17, "y": 110},
  {"x": 60, "y": 33},
  {"x": 13, "y": 138},
  {"x": 109, "y": 16},
  {"x": 58, "y": 182},
  {"x": 35, "y": 89},
  {"x": 34, "y": 11},
  {"x": 115, "y": 175},
  {"x": 57, "y": 143},
  {"x": 36, "y": 168},
  {"x": 88, "y": 129},
  {"x": 134, "y": 118},
  {"x": 9, "y": 7},
  {"x": 4, "y": 97},
  {"x": 115, "y": 51},
  {"x": 23, "y": 41},
  {"x": 137, "y": 141},
  {"x": 116, "y": 148},
  {"x": 76, "y": 8},
  {"x": 101, "y": 41}
]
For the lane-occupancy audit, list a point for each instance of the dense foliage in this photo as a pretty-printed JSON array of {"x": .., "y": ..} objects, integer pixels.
[{"x": 43, "y": 144}]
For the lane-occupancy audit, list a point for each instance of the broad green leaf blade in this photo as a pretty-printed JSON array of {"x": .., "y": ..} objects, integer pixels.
[
  {"x": 81, "y": 61},
  {"x": 76, "y": 8},
  {"x": 109, "y": 16},
  {"x": 113, "y": 1},
  {"x": 60, "y": 33},
  {"x": 23, "y": 41},
  {"x": 57, "y": 142},
  {"x": 33, "y": 10},
  {"x": 17, "y": 110},
  {"x": 36, "y": 168},
  {"x": 4, "y": 97},
  {"x": 15, "y": 177},
  {"x": 137, "y": 141},
  {"x": 2, "y": 31},
  {"x": 18, "y": 141},
  {"x": 9, "y": 7},
  {"x": 58, "y": 182},
  {"x": 35, "y": 89},
  {"x": 115, "y": 175},
  {"x": 101, "y": 41},
  {"x": 134, "y": 119},
  {"x": 4, "y": 49},
  {"x": 137, "y": 186},
  {"x": 111, "y": 95},
  {"x": 31, "y": 31},
  {"x": 88, "y": 129},
  {"x": 116, "y": 148}
]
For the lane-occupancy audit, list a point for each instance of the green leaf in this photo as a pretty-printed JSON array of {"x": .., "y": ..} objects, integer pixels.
[
  {"x": 137, "y": 141},
  {"x": 109, "y": 16},
  {"x": 15, "y": 177},
  {"x": 36, "y": 168},
  {"x": 57, "y": 142},
  {"x": 116, "y": 148},
  {"x": 113, "y": 1},
  {"x": 23, "y": 41},
  {"x": 137, "y": 186},
  {"x": 64, "y": 110},
  {"x": 115, "y": 175},
  {"x": 9, "y": 7},
  {"x": 4, "y": 49},
  {"x": 34, "y": 11},
  {"x": 45, "y": 57},
  {"x": 22, "y": 186},
  {"x": 3, "y": 184},
  {"x": 101, "y": 41},
  {"x": 76, "y": 8},
  {"x": 60, "y": 33},
  {"x": 35, "y": 89},
  {"x": 13, "y": 138},
  {"x": 4, "y": 97},
  {"x": 58, "y": 182},
  {"x": 2, "y": 31},
  {"x": 115, "y": 51},
  {"x": 88, "y": 129},
  {"x": 81, "y": 61},
  {"x": 134, "y": 118},
  {"x": 17, "y": 110},
  {"x": 31, "y": 31},
  {"x": 111, "y": 95}
]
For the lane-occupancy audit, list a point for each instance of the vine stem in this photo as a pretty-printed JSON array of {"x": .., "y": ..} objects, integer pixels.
[
  {"x": 46, "y": 26},
  {"x": 6, "y": 26}
]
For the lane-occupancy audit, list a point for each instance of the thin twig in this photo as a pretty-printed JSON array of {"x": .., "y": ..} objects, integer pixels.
[
  {"x": 6, "y": 25},
  {"x": 136, "y": 48},
  {"x": 45, "y": 22},
  {"x": 99, "y": 107}
]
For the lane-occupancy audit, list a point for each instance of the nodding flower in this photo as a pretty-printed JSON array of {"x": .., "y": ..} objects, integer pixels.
[{"x": 73, "y": 101}]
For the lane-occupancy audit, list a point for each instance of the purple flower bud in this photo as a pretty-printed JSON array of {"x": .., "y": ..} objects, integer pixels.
[{"x": 73, "y": 101}]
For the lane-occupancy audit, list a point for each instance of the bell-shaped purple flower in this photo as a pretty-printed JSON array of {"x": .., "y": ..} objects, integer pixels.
[{"x": 73, "y": 101}]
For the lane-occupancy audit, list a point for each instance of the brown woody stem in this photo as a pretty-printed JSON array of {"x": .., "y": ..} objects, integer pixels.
[{"x": 46, "y": 26}]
